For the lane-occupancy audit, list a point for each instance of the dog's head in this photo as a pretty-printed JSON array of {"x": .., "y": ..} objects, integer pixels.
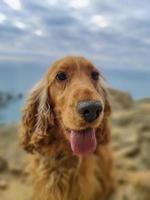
[{"x": 69, "y": 103}]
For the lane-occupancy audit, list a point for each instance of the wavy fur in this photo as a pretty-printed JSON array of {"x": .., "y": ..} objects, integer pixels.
[{"x": 57, "y": 173}]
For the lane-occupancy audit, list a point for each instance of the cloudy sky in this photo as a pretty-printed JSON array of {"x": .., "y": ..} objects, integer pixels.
[{"x": 112, "y": 33}]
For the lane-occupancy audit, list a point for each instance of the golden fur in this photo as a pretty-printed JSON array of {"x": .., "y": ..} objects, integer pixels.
[{"x": 49, "y": 111}]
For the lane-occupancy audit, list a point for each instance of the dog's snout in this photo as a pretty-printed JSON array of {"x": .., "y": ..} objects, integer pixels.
[{"x": 90, "y": 110}]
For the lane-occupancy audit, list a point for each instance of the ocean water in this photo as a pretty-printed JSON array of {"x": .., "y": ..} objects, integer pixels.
[{"x": 19, "y": 78}]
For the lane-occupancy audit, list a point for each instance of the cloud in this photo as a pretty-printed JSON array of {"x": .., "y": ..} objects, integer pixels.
[
  {"x": 115, "y": 35},
  {"x": 20, "y": 25},
  {"x": 99, "y": 21},
  {"x": 78, "y": 4},
  {"x": 75, "y": 4},
  {"x": 14, "y": 4},
  {"x": 38, "y": 32},
  {"x": 2, "y": 18}
]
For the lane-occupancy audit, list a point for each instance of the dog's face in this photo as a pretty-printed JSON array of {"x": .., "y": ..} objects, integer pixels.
[
  {"x": 78, "y": 102},
  {"x": 71, "y": 98}
]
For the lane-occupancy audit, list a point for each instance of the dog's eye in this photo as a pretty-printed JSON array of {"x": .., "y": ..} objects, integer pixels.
[
  {"x": 95, "y": 76},
  {"x": 61, "y": 76}
]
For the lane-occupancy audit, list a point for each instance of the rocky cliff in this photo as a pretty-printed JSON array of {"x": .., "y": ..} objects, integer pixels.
[
  {"x": 7, "y": 97},
  {"x": 131, "y": 146}
]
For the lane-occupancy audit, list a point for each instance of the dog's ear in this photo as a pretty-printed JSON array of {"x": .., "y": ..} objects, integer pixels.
[
  {"x": 107, "y": 108},
  {"x": 37, "y": 118},
  {"x": 103, "y": 132}
]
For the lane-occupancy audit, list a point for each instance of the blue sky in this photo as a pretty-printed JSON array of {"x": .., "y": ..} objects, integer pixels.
[{"x": 111, "y": 33}]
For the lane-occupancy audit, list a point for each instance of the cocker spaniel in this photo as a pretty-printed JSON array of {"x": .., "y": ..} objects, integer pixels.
[{"x": 65, "y": 127}]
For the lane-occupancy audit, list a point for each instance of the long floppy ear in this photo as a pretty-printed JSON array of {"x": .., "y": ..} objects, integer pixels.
[
  {"x": 107, "y": 108},
  {"x": 37, "y": 118},
  {"x": 103, "y": 132}
]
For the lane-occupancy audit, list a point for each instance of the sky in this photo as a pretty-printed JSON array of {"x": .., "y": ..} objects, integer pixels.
[{"x": 111, "y": 33}]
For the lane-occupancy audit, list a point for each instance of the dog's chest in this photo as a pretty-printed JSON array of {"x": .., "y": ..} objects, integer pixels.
[
  {"x": 89, "y": 186},
  {"x": 73, "y": 178}
]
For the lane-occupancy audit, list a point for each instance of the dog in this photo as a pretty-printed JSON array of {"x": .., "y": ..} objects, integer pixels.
[{"x": 65, "y": 127}]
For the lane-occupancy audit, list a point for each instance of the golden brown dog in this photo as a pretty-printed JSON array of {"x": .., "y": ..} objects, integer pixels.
[{"x": 65, "y": 127}]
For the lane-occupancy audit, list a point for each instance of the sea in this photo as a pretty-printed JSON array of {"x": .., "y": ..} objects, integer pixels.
[{"x": 20, "y": 77}]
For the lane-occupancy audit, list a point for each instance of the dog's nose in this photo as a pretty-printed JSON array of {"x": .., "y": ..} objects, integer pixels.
[{"x": 90, "y": 110}]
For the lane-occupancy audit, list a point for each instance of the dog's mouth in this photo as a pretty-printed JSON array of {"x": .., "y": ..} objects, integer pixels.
[{"x": 82, "y": 142}]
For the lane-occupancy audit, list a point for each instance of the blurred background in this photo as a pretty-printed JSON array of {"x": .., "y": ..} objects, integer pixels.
[{"x": 115, "y": 36}]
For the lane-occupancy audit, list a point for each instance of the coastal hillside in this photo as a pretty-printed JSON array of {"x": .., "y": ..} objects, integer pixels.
[{"x": 130, "y": 143}]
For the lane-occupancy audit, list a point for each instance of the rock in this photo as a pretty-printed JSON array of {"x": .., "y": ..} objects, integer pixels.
[
  {"x": 20, "y": 96},
  {"x": 130, "y": 143},
  {"x": 134, "y": 186},
  {"x": 3, "y": 164},
  {"x": 122, "y": 119},
  {"x": 145, "y": 153},
  {"x": 7, "y": 97},
  {"x": 140, "y": 185},
  {"x": 125, "y": 139},
  {"x": 10, "y": 149},
  {"x": 120, "y": 100},
  {"x": 143, "y": 101},
  {"x": 3, "y": 184}
]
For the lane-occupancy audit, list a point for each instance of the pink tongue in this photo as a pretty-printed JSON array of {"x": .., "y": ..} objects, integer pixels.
[{"x": 83, "y": 142}]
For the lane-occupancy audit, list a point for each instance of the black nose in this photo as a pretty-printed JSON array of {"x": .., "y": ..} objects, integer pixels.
[{"x": 90, "y": 110}]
